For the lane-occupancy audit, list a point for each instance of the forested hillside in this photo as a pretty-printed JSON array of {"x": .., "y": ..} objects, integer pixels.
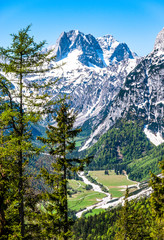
[
  {"x": 120, "y": 145},
  {"x": 126, "y": 147},
  {"x": 107, "y": 225},
  {"x": 139, "y": 169}
]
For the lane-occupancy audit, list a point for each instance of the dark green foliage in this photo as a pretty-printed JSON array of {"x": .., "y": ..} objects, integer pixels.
[
  {"x": 133, "y": 221},
  {"x": 157, "y": 197},
  {"x": 157, "y": 203},
  {"x": 88, "y": 187},
  {"x": 60, "y": 141},
  {"x": 119, "y": 146},
  {"x": 101, "y": 226},
  {"x": 8, "y": 180},
  {"x": 139, "y": 169},
  {"x": 106, "y": 172}
]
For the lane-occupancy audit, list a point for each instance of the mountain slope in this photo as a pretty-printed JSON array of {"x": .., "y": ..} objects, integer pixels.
[
  {"x": 142, "y": 95},
  {"x": 106, "y": 81},
  {"x": 93, "y": 73},
  {"x": 126, "y": 147},
  {"x": 121, "y": 144}
]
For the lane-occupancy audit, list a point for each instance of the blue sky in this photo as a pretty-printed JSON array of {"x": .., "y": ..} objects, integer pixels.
[{"x": 136, "y": 22}]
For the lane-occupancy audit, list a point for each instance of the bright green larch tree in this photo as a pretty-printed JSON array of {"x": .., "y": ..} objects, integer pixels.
[{"x": 24, "y": 102}]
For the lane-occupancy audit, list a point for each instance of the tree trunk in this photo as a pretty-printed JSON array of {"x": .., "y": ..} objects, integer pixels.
[
  {"x": 2, "y": 216},
  {"x": 65, "y": 205},
  {"x": 21, "y": 200},
  {"x": 20, "y": 163}
]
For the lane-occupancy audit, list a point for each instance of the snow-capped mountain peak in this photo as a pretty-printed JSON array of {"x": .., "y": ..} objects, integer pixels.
[
  {"x": 93, "y": 73},
  {"x": 94, "y": 70},
  {"x": 106, "y": 81},
  {"x": 89, "y": 48},
  {"x": 108, "y": 45},
  {"x": 159, "y": 42},
  {"x": 141, "y": 97},
  {"x": 100, "y": 52}
]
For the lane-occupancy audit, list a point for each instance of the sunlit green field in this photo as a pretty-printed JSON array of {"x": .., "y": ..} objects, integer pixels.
[
  {"x": 94, "y": 211},
  {"x": 78, "y": 185},
  {"x": 79, "y": 141},
  {"x": 115, "y": 183},
  {"x": 83, "y": 198}
]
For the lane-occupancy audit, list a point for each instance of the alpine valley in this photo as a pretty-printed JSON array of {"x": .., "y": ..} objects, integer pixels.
[
  {"x": 119, "y": 100},
  {"x": 115, "y": 93}
]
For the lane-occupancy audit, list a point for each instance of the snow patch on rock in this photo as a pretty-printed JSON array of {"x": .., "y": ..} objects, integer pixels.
[{"x": 156, "y": 139}]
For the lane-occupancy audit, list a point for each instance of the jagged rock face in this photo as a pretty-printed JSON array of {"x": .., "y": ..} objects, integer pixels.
[
  {"x": 106, "y": 80},
  {"x": 121, "y": 52},
  {"x": 92, "y": 91},
  {"x": 93, "y": 73},
  {"x": 94, "y": 70},
  {"x": 142, "y": 96},
  {"x": 91, "y": 49},
  {"x": 87, "y": 44},
  {"x": 144, "y": 92},
  {"x": 159, "y": 42}
]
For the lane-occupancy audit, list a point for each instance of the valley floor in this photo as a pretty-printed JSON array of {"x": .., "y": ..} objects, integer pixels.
[{"x": 119, "y": 184}]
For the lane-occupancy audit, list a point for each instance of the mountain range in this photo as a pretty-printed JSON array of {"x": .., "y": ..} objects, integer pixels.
[
  {"x": 106, "y": 81},
  {"x": 92, "y": 72},
  {"x": 142, "y": 96}
]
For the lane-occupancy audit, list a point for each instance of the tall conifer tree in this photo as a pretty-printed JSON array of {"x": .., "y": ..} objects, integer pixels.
[
  {"x": 134, "y": 223},
  {"x": 26, "y": 100},
  {"x": 60, "y": 141},
  {"x": 157, "y": 204}
]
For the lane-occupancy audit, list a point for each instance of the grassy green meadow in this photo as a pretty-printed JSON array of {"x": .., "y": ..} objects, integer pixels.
[
  {"x": 83, "y": 198},
  {"x": 94, "y": 211},
  {"x": 115, "y": 183}
]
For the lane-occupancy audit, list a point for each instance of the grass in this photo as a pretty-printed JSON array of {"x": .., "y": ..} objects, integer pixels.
[
  {"x": 116, "y": 192},
  {"x": 94, "y": 211},
  {"x": 77, "y": 185},
  {"x": 84, "y": 199},
  {"x": 115, "y": 183},
  {"x": 79, "y": 141}
]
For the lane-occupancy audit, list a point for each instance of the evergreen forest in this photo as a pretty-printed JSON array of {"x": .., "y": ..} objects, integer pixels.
[{"x": 34, "y": 177}]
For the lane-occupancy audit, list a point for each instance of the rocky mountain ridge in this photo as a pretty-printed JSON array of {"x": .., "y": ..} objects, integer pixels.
[
  {"x": 100, "y": 52},
  {"x": 142, "y": 95},
  {"x": 106, "y": 81},
  {"x": 93, "y": 73}
]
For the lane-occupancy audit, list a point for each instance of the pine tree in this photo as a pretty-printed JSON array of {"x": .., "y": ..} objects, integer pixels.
[
  {"x": 23, "y": 101},
  {"x": 8, "y": 181},
  {"x": 157, "y": 204},
  {"x": 60, "y": 140},
  {"x": 134, "y": 221},
  {"x": 124, "y": 221}
]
